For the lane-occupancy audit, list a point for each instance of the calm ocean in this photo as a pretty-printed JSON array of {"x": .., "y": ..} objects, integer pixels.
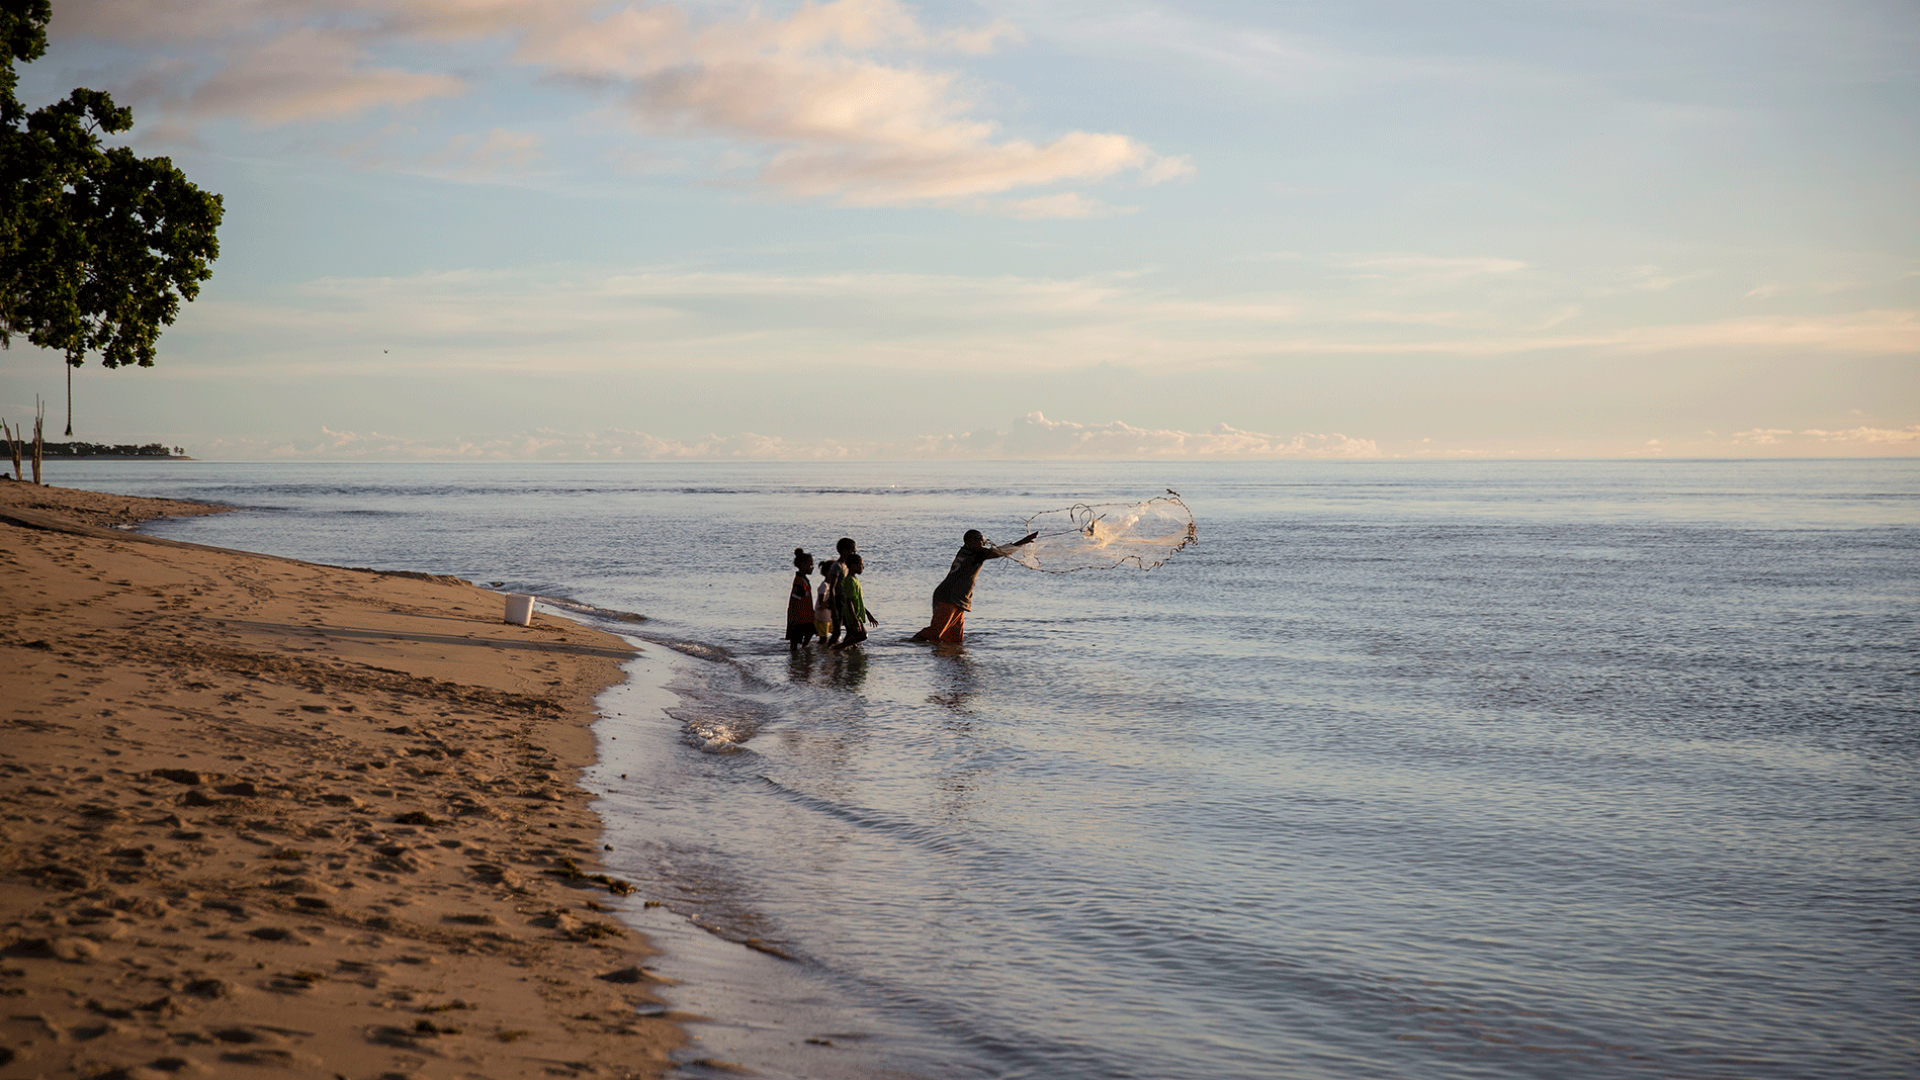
[{"x": 1424, "y": 771}]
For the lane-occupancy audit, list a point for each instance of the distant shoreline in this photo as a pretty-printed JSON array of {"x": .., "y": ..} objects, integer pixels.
[
  {"x": 117, "y": 457},
  {"x": 81, "y": 448}
]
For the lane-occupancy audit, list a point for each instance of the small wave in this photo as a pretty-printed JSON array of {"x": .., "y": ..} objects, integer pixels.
[
  {"x": 592, "y": 611},
  {"x": 925, "y": 835},
  {"x": 722, "y": 704},
  {"x": 568, "y": 604},
  {"x": 713, "y": 734},
  {"x": 699, "y": 650}
]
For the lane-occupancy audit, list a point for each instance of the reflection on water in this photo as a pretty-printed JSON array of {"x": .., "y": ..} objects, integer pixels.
[
  {"x": 800, "y": 663},
  {"x": 846, "y": 669},
  {"x": 957, "y": 680}
]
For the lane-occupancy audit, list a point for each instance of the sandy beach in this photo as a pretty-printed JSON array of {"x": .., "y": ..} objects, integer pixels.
[{"x": 260, "y": 816}]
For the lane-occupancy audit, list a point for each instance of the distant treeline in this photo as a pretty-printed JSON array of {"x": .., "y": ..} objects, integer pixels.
[{"x": 89, "y": 449}]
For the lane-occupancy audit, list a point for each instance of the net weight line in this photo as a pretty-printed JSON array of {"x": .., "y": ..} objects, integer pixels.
[{"x": 1106, "y": 536}]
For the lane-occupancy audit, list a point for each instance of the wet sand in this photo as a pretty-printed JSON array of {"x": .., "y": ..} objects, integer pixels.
[{"x": 260, "y": 817}]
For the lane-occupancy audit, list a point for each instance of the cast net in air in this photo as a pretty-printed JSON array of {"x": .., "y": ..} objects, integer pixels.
[{"x": 1103, "y": 536}]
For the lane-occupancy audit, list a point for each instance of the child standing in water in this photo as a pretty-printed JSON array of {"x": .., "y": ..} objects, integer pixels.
[
  {"x": 800, "y": 601},
  {"x": 834, "y": 572},
  {"x": 852, "y": 608},
  {"x": 823, "y": 604}
]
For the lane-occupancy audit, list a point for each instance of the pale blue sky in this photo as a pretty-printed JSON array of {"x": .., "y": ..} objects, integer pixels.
[{"x": 871, "y": 229}]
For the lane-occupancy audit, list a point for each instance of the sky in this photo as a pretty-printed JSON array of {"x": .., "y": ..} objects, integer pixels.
[{"x": 1127, "y": 229}]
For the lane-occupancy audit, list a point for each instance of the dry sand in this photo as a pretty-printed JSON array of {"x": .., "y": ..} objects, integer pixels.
[{"x": 261, "y": 817}]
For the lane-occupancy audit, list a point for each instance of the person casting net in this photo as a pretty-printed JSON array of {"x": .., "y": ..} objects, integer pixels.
[{"x": 1105, "y": 536}]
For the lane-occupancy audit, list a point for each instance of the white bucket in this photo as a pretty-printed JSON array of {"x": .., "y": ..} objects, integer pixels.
[{"x": 519, "y": 609}]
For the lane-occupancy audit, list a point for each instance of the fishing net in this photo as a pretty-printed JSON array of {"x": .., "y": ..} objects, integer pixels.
[{"x": 1103, "y": 536}]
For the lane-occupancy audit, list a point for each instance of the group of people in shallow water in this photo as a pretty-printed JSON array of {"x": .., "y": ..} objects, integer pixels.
[{"x": 836, "y": 611}]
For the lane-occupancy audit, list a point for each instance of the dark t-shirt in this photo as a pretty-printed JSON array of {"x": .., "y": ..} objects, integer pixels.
[{"x": 957, "y": 587}]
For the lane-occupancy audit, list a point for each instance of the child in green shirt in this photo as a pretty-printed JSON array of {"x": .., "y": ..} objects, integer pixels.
[{"x": 852, "y": 605}]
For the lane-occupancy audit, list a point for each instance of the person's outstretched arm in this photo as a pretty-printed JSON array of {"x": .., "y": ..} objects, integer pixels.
[{"x": 1005, "y": 550}]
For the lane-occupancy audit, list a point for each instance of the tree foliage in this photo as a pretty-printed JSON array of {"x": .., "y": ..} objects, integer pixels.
[{"x": 98, "y": 247}]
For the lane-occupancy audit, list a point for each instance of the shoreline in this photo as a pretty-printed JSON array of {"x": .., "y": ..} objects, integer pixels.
[{"x": 262, "y": 812}]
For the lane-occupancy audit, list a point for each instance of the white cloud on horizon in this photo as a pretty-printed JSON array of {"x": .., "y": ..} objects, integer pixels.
[
  {"x": 1034, "y": 437},
  {"x": 540, "y": 444},
  {"x": 1859, "y": 436},
  {"x": 1030, "y": 437}
]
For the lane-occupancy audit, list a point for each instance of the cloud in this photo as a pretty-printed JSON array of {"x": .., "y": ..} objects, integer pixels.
[
  {"x": 309, "y": 75},
  {"x": 1885, "y": 277},
  {"x": 1066, "y": 204},
  {"x": 1906, "y": 436},
  {"x": 1648, "y": 279},
  {"x": 1879, "y": 331},
  {"x": 138, "y": 21},
  {"x": 584, "y": 318},
  {"x": 1032, "y": 436},
  {"x": 829, "y": 102},
  {"x": 501, "y": 149},
  {"x": 833, "y": 117},
  {"x": 1432, "y": 267},
  {"x": 1868, "y": 438},
  {"x": 1035, "y": 436},
  {"x": 541, "y": 444},
  {"x": 930, "y": 166}
]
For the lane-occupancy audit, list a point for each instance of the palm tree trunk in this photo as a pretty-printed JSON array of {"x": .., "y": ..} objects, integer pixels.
[{"x": 13, "y": 444}]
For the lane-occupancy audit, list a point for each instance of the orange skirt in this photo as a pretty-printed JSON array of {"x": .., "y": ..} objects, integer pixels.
[{"x": 949, "y": 624}]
